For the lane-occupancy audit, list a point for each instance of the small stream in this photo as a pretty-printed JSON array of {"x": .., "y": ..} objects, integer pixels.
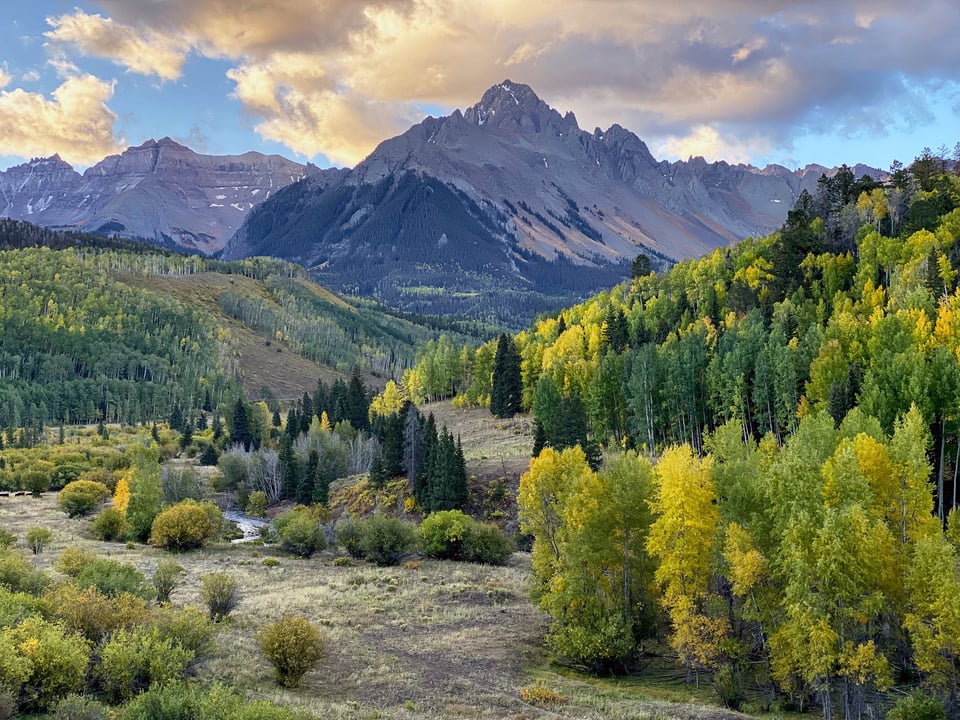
[{"x": 249, "y": 526}]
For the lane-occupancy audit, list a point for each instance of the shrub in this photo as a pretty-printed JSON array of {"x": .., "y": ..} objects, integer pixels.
[
  {"x": 112, "y": 578},
  {"x": 36, "y": 481},
  {"x": 15, "y": 606},
  {"x": 81, "y": 497},
  {"x": 220, "y": 594},
  {"x": 77, "y": 707},
  {"x": 257, "y": 504},
  {"x": 293, "y": 646},
  {"x": 349, "y": 538},
  {"x": 93, "y": 614},
  {"x": 18, "y": 575},
  {"x": 385, "y": 541},
  {"x": 73, "y": 560},
  {"x": 183, "y": 701},
  {"x": 165, "y": 579},
  {"x": 111, "y": 525},
  {"x": 452, "y": 535},
  {"x": 186, "y": 525},
  {"x": 41, "y": 662},
  {"x": 37, "y": 539},
  {"x": 179, "y": 484},
  {"x": 270, "y": 562},
  {"x": 132, "y": 660},
  {"x": 188, "y": 627},
  {"x": 7, "y": 539},
  {"x": 918, "y": 706},
  {"x": 300, "y": 532},
  {"x": 541, "y": 696}
]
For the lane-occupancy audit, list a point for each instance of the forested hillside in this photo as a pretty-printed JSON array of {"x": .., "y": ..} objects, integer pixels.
[
  {"x": 98, "y": 329},
  {"x": 797, "y": 531}
]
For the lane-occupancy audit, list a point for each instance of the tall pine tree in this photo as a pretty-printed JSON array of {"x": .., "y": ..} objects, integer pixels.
[{"x": 507, "y": 388}]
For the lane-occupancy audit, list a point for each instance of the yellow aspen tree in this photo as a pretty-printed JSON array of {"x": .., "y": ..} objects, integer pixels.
[
  {"x": 683, "y": 539},
  {"x": 121, "y": 496}
]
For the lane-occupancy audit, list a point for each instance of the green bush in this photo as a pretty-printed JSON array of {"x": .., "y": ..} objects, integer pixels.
[
  {"x": 220, "y": 594},
  {"x": 78, "y": 707},
  {"x": 918, "y": 706},
  {"x": 166, "y": 579},
  {"x": 132, "y": 660},
  {"x": 111, "y": 578},
  {"x": 293, "y": 646},
  {"x": 63, "y": 475},
  {"x": 382, "y": 540},
  {"x": 188, "y": 627},
  {"x": 17, "y": 574},
  {"x": 300, "y": 532},
  {"x": 349, "y": 538},
  {"x": 7, "y": 539},
  {"x": 82, "y": 497},
  {"x": 257, "y": 504},
  {"x": 73, "y": 560},
  {"x": 186, "y": 525},
  {"x": 38, "y": 538},
  {"x": 15, "y": 606},
  {"x": 183, "y": 701},
  {"x": 41, "y": 662},
  {"x": 452, "y": 535},
  {"x": 111, "y": 525}
]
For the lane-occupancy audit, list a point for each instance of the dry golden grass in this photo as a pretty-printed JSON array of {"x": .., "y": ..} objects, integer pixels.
[{"x": 437, "y": 640}]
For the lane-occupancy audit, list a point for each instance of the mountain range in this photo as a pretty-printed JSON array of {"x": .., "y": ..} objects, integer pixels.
[
  {"x": 159, "y": 191},
  {"x": 500, "y": 211}
]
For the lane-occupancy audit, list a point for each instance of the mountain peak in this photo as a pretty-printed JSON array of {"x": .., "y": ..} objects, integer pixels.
[{"x": 514, "y": 106}]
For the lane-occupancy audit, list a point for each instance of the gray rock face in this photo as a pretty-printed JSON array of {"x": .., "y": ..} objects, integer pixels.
[
  {"x": 160, "y": 191},
  {"x": 593, "y": 198}
]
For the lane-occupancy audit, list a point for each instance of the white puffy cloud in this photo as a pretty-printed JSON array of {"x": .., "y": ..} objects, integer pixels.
[
  {"x": 141, "y": 51},
  {"x": 707, "y": 142},
  {"x": 4, "y": 78},
  {"x": 76, "y": 122},
  {"x": 333, "y": 77}
]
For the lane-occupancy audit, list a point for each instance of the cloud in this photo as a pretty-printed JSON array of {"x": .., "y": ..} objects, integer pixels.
[
  {"x": 334, "y": 77},
  {"x": 4, "y": 78},
  {"x": 76, "y": 122},
  {"x": 707, "y": 142},
  {"x": 138, "y": 50}
]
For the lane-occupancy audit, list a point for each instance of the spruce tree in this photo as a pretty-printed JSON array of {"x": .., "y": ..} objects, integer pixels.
[
  {"x": 424, "y": 477},
  {"x": 357, "y": 402},
  {"x": 240, "y": 429},
  {"x": 306, "y": 412},
  {"x": 507, "y": 389},
  {"x": 412, "y": 444},
  {"x": 275, "y": 420},
  {"x": 290, "y": 469},
  {"x": 306, "y": 488},
  {"x": 176, "y": 418}
]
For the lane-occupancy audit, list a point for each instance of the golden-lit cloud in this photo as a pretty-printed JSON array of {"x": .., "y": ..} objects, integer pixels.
[
  {"x": 334, "y": 77},
  {"x": 139, "y": 51},
  {"x": 76, "y": 122},
  {"x": 4, "y": 78},
  {"x": 706, "y": 142}
]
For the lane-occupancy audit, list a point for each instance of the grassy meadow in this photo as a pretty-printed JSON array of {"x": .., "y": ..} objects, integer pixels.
[{"x": 432, "y": 639}]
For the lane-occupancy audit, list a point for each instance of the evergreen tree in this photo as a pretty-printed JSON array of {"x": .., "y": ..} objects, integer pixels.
[
  {"x": 640, "y": 267},
  {"x": 321, "y": 487},
  {"x": 357, "y": 402},
  {"x": 176, "y": 420},
  {"x": 186, "y": 437},
  {"x": 539, "y": 437},
  {"x": 616, "y": 334},
  {"x": 202, "y": 422},
  {"x": 289, "y": 469},
  {"x": 425, "y": 474},
  {"x": 155, "y": 433},
  {"x": 306, "y": 412},
  {"x": 217, "y": 427},
  {"x": 412, "y": 444},
  {"x": 207, "y": 404},
  {"x": 507, "y": 389},
  {"x": 448, "y": 481},
  {"x": 306, "y": 488},
  {"x": 240, "y": 429},
  {"x": 275, "y": 420}
]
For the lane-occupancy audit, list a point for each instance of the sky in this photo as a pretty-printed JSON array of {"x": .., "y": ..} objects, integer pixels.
[{"x": 754, "y": 81}]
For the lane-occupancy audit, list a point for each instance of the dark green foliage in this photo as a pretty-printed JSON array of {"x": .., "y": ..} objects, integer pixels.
[
  {"x": 78, "y": 707},
  {"x": 240, "y": 427},
  {"x": 111, "y": 578},
  {"x": 379, "y": 539},
  {"x": 306, "y": 487},
  {"x": 110, "y": 525},
  {"x": 209, "y": 456},
  {"x": 640, "y": 266},
  {"x": 18, "y": 575},
  {"x": 189, "y": 701},
  {"x": 451, "y": 535},
  {"x": 507, "y": 391}
]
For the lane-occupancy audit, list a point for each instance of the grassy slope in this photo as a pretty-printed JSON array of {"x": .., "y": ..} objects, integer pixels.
[{"x": 442, "y": 640}]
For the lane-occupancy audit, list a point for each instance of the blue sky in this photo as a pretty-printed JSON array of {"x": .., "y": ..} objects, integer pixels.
[{"x": 755, "y": 81}]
